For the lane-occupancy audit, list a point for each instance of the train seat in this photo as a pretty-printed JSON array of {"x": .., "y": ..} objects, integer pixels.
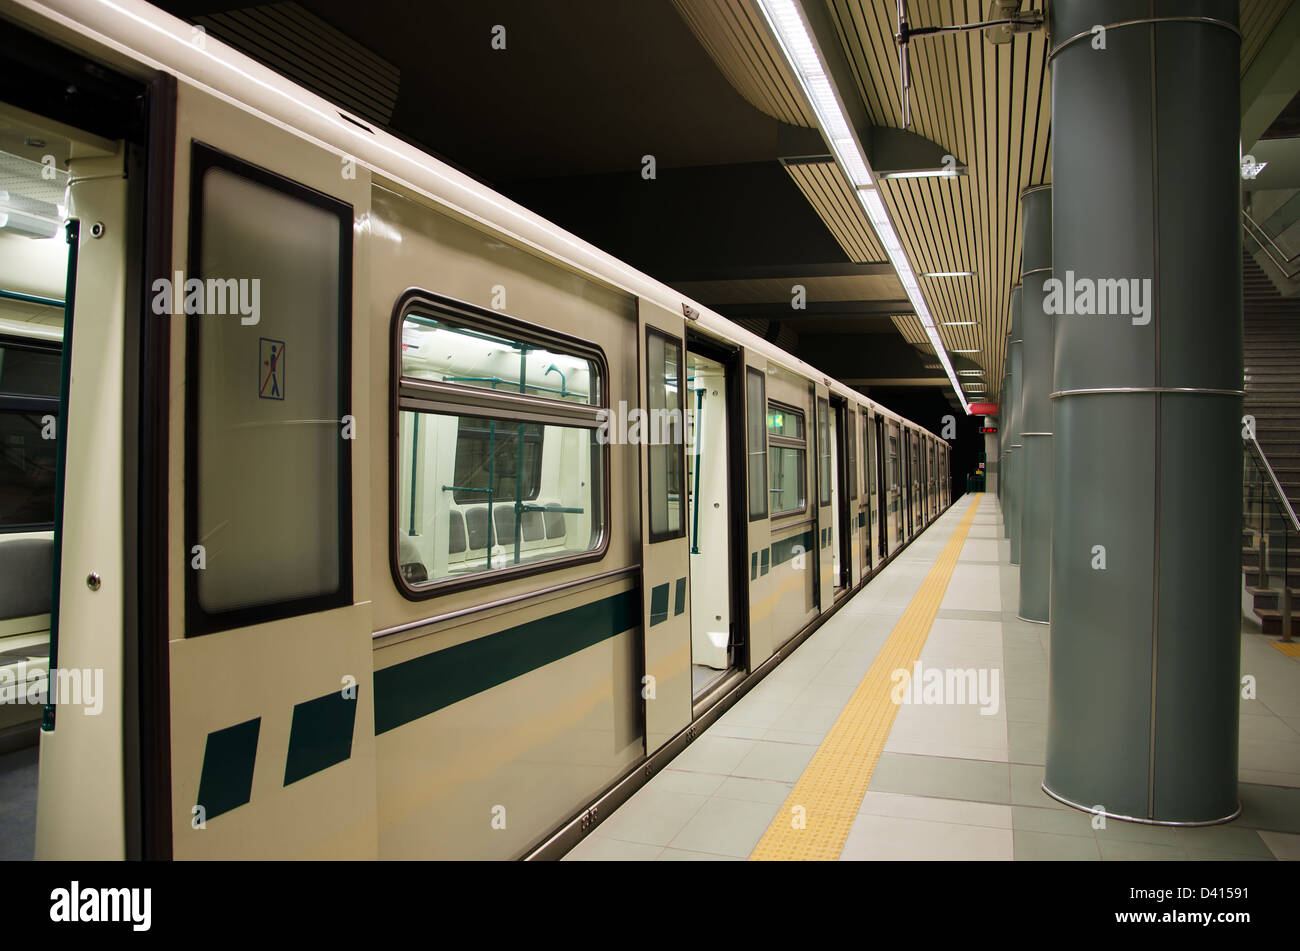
[{"x": 25, "y": 577}]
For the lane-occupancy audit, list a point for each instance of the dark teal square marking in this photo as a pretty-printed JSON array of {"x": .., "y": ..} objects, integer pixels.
[
  {"x": 226, "y": 782},
  {"x": 753, "y": 565},
  {"x": 321, "y": 734},
  {"x": 679, "y": 597},
  {"x": 658, "y": 603},
  {"x": 765, "y": 561}
]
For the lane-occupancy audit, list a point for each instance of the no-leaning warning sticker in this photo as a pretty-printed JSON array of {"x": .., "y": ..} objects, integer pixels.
[{"x": 270, "y": 369}]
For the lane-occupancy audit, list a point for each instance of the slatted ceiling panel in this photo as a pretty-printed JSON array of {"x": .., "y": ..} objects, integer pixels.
[
  {"x": 910, "y": 329},
  {"x": 1258, "y": 18},
  {"x": 990, "y": 106},
  {"x": 829, "y": 193},
  {"x": 301, "y": 46},
  {"x": 735, "y": 36}
]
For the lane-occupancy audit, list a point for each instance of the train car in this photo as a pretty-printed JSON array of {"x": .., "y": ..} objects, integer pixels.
[{"x": 389, "y": 520}]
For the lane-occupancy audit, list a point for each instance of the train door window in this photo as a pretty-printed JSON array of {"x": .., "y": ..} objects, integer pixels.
[
  {"x": 499, "y": 465},
  {"x": 823, "y": 453},
  {"x": 268, "y": 472},
  {"x": 756, "y": 442},
  {"x": 787, "y": 455},
  {"x": 666, "y": 440},
  {"x": 851, "y": 442}
]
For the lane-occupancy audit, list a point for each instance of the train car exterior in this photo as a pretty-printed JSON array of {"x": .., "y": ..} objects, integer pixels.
[{"x": 448, "y": 533}]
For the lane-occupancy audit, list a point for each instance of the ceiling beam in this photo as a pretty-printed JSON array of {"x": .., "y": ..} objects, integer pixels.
[
  {"x": 1273, "y": 78},
  {"x": 832, "y": 308},
  {"x": 763, "y": 272}
]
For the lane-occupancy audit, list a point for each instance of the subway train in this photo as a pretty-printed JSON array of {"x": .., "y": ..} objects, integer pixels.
[{"x": 381, "y": 517}]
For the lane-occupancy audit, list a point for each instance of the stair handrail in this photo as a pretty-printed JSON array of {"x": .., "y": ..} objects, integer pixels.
[
  {"x": 1283, "y": 502},
  {"x": 1283, "y": 265}
]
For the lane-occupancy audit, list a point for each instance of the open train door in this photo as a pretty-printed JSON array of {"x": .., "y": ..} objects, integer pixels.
[{"x": 665, "y": 547}]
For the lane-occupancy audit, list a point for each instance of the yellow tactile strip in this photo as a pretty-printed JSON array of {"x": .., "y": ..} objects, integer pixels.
[
  {"x": 815, "y": 820},
  {"x": 1291, "y": 650}
]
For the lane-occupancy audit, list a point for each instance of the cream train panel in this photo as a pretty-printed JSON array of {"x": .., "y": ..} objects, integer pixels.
[{"x": 478, "y": 756}]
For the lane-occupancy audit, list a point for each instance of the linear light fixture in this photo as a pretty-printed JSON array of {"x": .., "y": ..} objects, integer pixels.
[
  {"x": 786, "y": 20},
  {"x": 948, "y": 274},
  {"x": 965, "y": 351},
  {"x": 950, "y": 172},
  {"x": 959, "y": 323},
  {"x": 797, "y": 45},
  {"x": 970, "y": 373}
]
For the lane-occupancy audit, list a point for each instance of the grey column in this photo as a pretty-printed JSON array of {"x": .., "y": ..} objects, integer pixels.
[
  {"x": 1036, "y": 406},
  {"x": 1015, "y": 470},
  {"x": 1146, "y": 501},
  {"x": 1002, "y": 438},
  {"x": 991, "y": 473}
]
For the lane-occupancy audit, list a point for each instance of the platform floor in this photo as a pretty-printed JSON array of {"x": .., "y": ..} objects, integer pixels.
[{"x": 949, "y": 782}]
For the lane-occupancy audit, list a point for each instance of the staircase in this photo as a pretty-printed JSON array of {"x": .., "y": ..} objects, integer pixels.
[{"x": 1272, "y": 376}]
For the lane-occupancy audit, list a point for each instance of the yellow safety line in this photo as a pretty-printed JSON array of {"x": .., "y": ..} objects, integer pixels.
[
  {"x": 815, "y": 820},
  {"x": 1291, "y": 650}
]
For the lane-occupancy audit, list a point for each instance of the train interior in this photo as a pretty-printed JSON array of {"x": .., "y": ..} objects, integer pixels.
[
  {"x": 708, "y": 458},
  {"x": 33, "y": 280},
  {"x": 34, "y": 272}
]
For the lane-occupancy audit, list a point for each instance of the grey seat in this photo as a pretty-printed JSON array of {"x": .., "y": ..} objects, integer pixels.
[{"x": 26, "y": 576}]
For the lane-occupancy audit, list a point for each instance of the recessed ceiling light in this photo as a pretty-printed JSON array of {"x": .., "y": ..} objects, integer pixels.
[
  {"x": 948, "y": 274},
  {"x": 965, "y": 351},
  {"x": 970, "y": 372},
  {"x": 959, "y": 323}
]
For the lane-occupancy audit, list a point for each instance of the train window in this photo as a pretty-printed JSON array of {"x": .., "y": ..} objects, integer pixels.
[
  {"x": 501, "y": 461},
  {"x": 786, "y": 455},
  {"x": 267, "y": 469},
  {"x": 756, "y": 442},
  {"x": 495, "y": 473},
  {"x": 823, "y": 453},
  {"x": 29, "y": 405},
  {"x": 666, "y": 385},
  {"x": 851, "y": 440},
  {"x": 435, "y": 348}
]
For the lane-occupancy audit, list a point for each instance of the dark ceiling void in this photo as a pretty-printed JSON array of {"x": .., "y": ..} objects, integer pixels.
[{"x": 689, "y": 222}]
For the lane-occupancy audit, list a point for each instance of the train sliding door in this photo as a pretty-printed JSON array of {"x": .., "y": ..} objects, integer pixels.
[
  {"x": 269, "y": 643},
  {"x": 665, "y": 543}
]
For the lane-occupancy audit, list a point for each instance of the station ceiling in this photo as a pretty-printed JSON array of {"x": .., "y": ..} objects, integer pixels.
[{"x": 745, "y": 202}]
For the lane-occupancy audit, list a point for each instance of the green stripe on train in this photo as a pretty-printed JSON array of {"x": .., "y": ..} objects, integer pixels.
[{"x": 423, "y": 685}]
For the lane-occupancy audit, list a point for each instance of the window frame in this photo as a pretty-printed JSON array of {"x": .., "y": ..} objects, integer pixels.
[
  {"x": 755, "y": 374},
  {"x": 786, "y": 442},
  {"x": 825, "y": 471},
  {"x": 669, "y": 339},
  {"x": 410, "y": 394},
  {"x": 198, "y": 622}
]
